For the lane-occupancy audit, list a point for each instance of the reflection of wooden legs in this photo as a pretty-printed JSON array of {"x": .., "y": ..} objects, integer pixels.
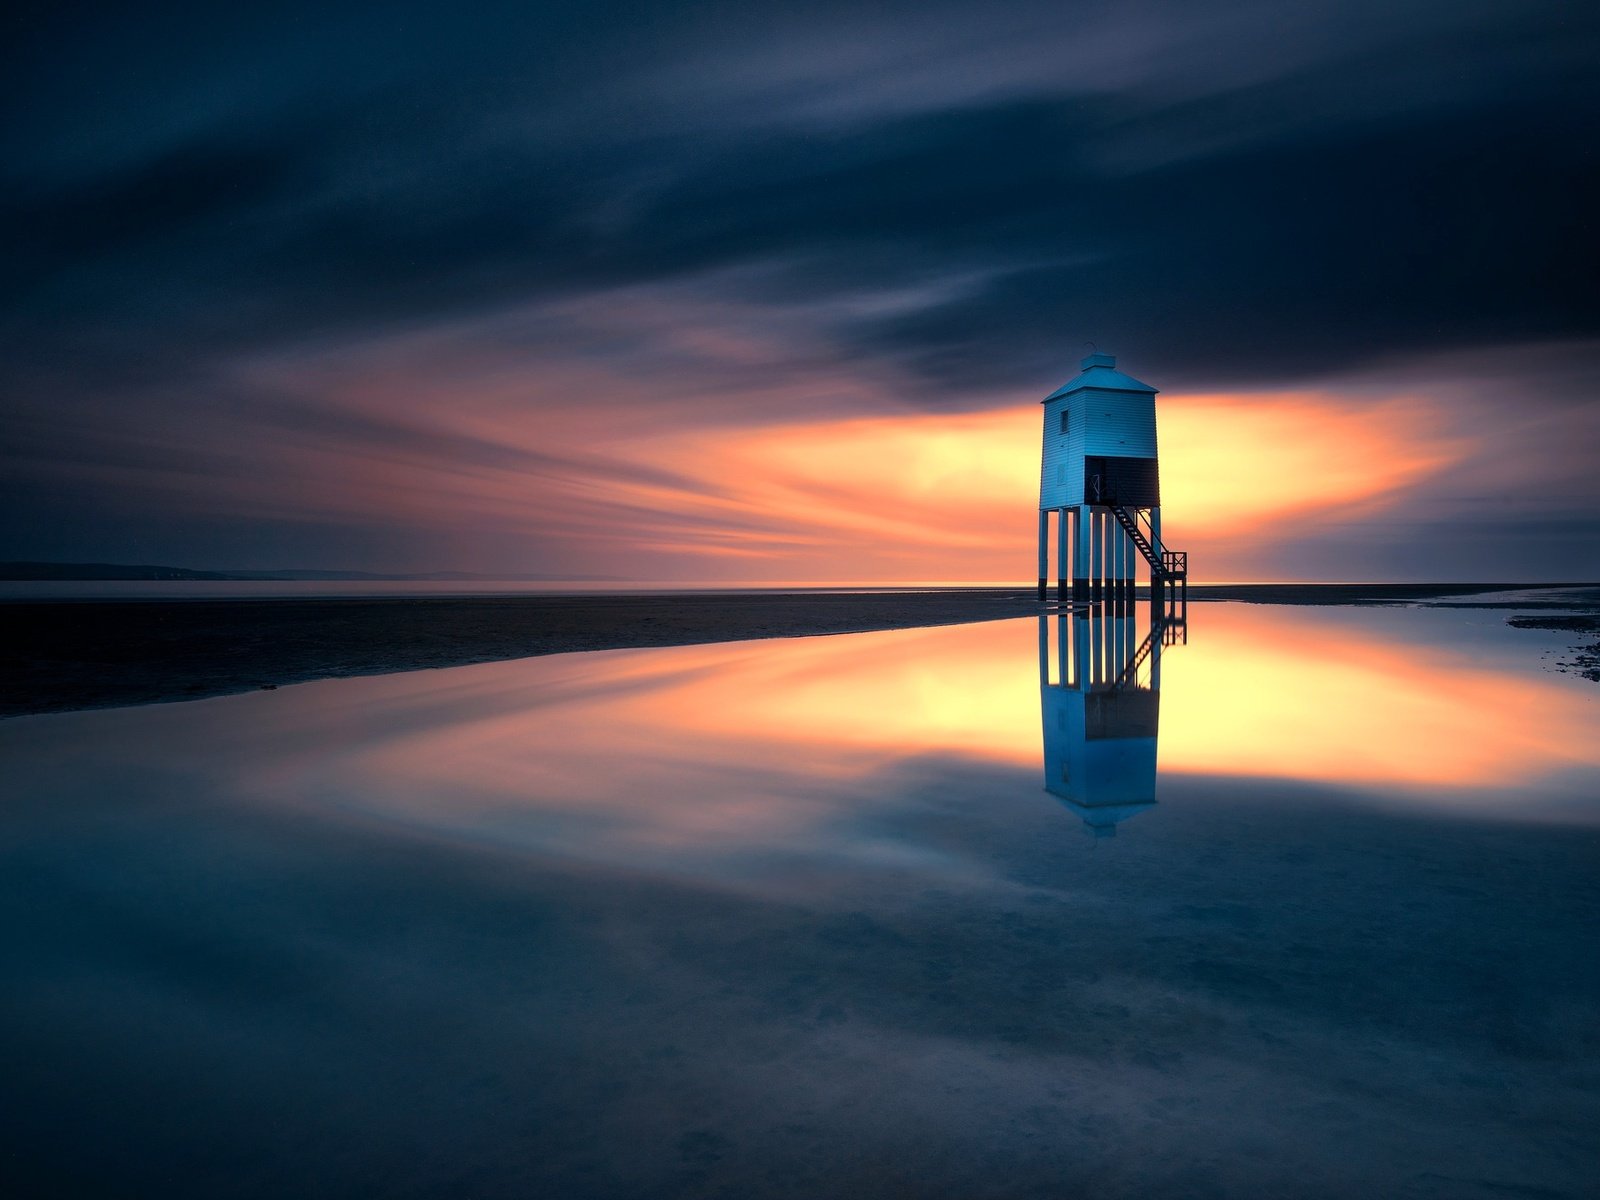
[
  {"x": 1096, "y": 650},
  {"x": 1101, "y": 647},
  {"x": 1119, "y": 651},
  {"x": 1106, "y": 646},
  {"x": 1169, "y": 600},
  {"x": 1068, "y": 662}
]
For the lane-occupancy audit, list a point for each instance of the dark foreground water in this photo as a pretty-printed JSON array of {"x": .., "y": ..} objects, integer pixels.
[{"x": 824, "y": 918}]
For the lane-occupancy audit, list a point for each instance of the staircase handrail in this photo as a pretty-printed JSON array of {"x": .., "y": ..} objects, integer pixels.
[
  {"x": 1163, "y": 562},
  {"x": 1142, "y": 516}
]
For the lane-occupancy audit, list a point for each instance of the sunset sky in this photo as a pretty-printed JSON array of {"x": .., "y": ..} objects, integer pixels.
[{"x": 733, "y": 292}]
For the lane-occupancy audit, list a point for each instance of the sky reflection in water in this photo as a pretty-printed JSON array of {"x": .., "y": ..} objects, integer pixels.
[
  {"x": 799, "y": 918},
  {"x": 737, "y": 747}
]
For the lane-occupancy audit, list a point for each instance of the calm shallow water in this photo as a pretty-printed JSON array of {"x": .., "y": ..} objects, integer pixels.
[{"x": 825, "y": 917}]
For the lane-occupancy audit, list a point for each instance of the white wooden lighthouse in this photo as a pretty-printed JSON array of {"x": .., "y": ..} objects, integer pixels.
[{"x": 1100, "y": 475}]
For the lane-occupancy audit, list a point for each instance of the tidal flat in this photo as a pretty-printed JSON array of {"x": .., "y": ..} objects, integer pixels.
[{"x": 1302, "y": 904}]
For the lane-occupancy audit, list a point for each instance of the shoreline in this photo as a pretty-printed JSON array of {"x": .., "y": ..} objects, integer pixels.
[{"x": 73, "y": 654}]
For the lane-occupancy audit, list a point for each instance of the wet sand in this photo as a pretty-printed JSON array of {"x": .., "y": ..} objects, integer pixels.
[
  {"x": 65, "y": 655},
  {"x": 1585, "y": 657}
]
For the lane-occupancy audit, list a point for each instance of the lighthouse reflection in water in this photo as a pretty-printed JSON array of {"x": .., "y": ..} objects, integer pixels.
[{"x": 1100, "y": 704}]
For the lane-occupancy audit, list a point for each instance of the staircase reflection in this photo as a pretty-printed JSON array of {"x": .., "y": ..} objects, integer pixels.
[{"x": 1100, "y": 701}]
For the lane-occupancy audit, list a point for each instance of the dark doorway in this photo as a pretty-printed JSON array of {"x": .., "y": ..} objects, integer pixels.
[{"x": 1130, "y": 482}]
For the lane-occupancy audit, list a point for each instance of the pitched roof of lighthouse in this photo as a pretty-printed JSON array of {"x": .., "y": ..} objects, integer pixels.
[{"x": 1099, "y": 371}]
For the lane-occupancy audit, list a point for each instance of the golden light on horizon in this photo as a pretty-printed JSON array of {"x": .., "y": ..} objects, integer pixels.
[
  {"x": 669, "y": 486},
  {"x": 950, "y": 495}
]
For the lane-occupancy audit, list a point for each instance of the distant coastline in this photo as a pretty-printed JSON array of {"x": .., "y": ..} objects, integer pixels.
[{"x": 22, "y": 571}]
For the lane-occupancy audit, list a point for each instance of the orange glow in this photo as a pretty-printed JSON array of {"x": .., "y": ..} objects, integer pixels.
[
  {"x": 916, "y": 494},
  {"x": 1239, "y": 464},
  {"x": 675, "y": 483}
]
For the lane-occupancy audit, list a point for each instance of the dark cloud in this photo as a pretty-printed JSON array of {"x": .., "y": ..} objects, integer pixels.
[
  {"x": 1282, "y": 262},
  {"x": 1416, "y": 193}
]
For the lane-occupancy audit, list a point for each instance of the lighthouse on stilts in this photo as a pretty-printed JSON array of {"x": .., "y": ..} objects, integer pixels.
[{"x": 1100, "y": 476}]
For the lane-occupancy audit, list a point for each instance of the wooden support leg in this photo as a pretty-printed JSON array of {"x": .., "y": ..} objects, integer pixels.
[
  {"x": 1097, "y": 555},
  {"x": 1080, "y": 554},
  {"x": 1063, "y": 527},
  {"x": 1044, "y": 549}
]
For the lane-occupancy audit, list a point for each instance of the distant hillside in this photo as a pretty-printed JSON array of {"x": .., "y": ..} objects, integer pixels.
[
  {"x": 53, "y": 571},
  {"x": 59, "y": 571}
]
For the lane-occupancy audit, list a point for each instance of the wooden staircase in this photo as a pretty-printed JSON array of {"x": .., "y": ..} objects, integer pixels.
[{"x": 1165, "y": 565}]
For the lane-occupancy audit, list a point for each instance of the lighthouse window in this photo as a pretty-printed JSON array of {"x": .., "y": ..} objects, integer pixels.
[{"x": 1064, "y": 415}]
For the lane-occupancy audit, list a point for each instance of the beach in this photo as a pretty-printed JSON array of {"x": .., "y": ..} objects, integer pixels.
[{"x": 80, "y": 654}]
